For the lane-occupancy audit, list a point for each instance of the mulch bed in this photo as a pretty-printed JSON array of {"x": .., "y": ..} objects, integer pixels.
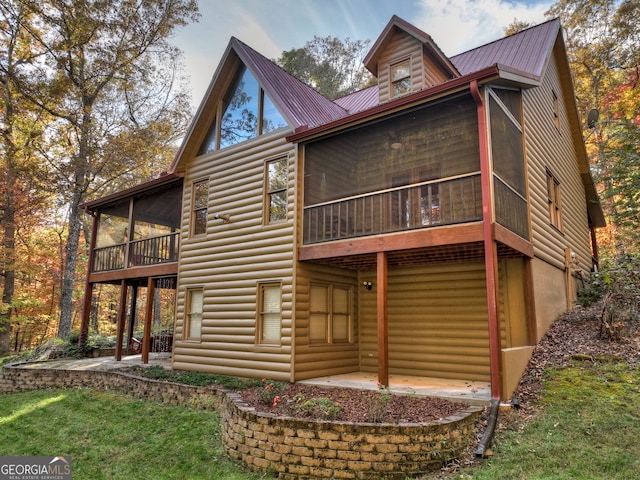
[{"x": 374, "y": 406}]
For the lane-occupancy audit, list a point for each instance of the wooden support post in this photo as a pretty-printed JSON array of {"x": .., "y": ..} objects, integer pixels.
[
  {"x": 122, "y": 310},
  {"x": 146, "y": 334},
  {"x": 383, "y": 325},
  {"x": 132, "y": 317}
]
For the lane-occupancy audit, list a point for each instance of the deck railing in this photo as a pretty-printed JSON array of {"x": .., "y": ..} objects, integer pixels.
[
  {"x": 420, "y": 205},
  {"x": 148, "y": 251}
]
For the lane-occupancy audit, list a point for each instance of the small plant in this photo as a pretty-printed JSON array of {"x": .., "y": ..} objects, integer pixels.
[
  {"x": 322, "y": 406},
  {"x": 270, "y": 390},
  {"x": 378, "y": 404}
]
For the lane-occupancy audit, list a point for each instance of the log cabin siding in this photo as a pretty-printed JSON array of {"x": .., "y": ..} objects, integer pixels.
[
  {"x": 549, "y": 147},
  {"x": 401, "y": 47},
  {"x": 434, "y": 329},
  {"x": 314, "y": 360},
  {"x": 233, "y": 258}
]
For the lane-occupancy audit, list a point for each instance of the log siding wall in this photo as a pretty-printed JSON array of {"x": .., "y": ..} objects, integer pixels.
[
  {"x": 553, "y": 148},
  {"x": 232, "y": 258}
]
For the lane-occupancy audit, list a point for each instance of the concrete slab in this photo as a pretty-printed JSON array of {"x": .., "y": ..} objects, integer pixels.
[{"x": 469, "y": 392}]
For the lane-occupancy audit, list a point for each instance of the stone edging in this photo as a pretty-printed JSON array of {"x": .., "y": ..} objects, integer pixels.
[{"x": 294, "y": 448}]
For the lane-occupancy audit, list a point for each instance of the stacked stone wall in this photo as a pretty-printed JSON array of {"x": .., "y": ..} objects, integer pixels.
[{"x": 293, "y": 448}]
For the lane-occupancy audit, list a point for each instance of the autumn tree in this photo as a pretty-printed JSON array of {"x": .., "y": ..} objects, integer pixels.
[
  {"x": 331, "y": 66},
  {"x": 22, "y": 188},
  {"x": 603, "y": 45},
  {"x": 106, "y": 78}
]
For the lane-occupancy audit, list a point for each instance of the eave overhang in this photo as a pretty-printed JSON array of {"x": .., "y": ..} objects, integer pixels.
[
  {"x": 162, "y": 181},
  {"x": 492, "y": 74}
]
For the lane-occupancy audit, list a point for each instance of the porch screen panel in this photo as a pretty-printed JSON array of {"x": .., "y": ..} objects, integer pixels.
[
  {"x": 508, "y": 163},
  {"x": 440, "y": 138}
]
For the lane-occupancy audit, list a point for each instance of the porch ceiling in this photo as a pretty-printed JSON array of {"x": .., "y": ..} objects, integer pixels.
[{"x": 466, "y": 252}]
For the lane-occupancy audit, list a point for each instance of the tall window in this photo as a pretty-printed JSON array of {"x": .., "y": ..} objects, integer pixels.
[
  {"x": 554, "y": 200},
  {"x": 200, "y": 204},
  {"x": 269, "y": 313},
  {"x": 247, "y": 111},
  {"x": 276, "y": 209},
  {"x": 400, "y": 78},
  {"x": 193, "y": 317},
  {"x": 330, "y": 314}
]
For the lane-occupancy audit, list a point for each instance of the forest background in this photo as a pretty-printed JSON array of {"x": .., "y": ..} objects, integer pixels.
[{"x": 93, "y": 100}]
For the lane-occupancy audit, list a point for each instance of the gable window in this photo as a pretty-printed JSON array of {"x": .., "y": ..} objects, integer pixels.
[
  {"x": 247, "y": 111},
  {"x": 554, "y": 200},
  {"x": 400, "y": 78},
  {"x": 276, "y": 188},
  {"x": 330, "y": 314},
  {"x": 200, "y": 201},
  {"x": 269, "y": 313},
  {"x": 193, "y": 316}
]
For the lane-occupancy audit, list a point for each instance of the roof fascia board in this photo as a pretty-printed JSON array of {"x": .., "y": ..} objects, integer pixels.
[
  {"x": 451, "y": 86},
  {"x": 164, "y": 180}
]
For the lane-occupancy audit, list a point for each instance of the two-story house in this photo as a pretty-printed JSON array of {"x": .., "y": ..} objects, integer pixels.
[{"x": 431, "y": 226}]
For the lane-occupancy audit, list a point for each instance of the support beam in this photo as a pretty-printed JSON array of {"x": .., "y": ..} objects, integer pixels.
[
  {"x": 132, "y": 317},
  {"x": 122, "y": 310},
  {"x": 146, "y": 335},
  {"x": 490, "y": 247},
  {"x": 383, "y": 320},
  {"x": 88, "y": 286}
]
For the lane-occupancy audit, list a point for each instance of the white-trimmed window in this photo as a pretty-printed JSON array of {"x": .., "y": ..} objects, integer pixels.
[
  {"x": 400, "y": 78},
  {"x": 200, "y": 202},
  {"x": 193, "y": 315},
  {"x": 276, "y": 190},
  {"x": 554, "y": 200},
  {"x": 269, "y": 313},
  {"x": 330, "y": 315}
]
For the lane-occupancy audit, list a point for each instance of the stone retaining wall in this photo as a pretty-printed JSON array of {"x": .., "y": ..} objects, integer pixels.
[{"x": 295, "y": 449}]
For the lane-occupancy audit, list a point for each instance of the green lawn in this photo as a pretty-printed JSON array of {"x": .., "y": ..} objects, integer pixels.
[
  {"x": 111, "y": 437},
  {"x": 588, "y": 428}
]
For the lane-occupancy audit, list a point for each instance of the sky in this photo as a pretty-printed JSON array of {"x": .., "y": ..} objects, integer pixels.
[{"x": 273, "y": 26}]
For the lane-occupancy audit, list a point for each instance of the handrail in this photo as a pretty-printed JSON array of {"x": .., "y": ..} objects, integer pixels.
[
  {"x": 141, "y": 252},
  {"x": 419, "y": 205}
]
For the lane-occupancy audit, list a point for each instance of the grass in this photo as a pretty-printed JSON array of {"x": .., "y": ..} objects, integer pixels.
[
  {"x": 588, "y": 428},
  {"x": 110, "y": 436}
]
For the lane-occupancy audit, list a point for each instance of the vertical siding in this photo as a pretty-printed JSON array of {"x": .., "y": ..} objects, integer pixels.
[
  {"x": 232, "y": 258},
  {"x": 437, "y": 322}
]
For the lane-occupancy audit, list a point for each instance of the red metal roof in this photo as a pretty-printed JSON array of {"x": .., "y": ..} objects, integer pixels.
[
  {"x": 527, "y": 51},
  {"x": 300, "y": 104},
  {"x": 360, "y": 100}
]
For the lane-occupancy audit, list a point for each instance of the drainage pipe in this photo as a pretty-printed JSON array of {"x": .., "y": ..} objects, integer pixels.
[{"x": 487, "y": 437}]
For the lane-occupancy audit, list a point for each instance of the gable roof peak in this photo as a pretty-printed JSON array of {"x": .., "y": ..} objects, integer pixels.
[{"x": 398, "y": 24}]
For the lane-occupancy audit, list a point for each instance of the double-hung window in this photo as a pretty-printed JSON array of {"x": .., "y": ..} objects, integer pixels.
[
  {"x": 193, "y": 316},
  {"x": 200, "y": 202},
  {"x": 269, "y": 313},
  {"x": 400, "y": 78},
  {"x": 554, "y": 200},
  {"x": 330, "y": 315},
  {"x": 276, "y": 190}
]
